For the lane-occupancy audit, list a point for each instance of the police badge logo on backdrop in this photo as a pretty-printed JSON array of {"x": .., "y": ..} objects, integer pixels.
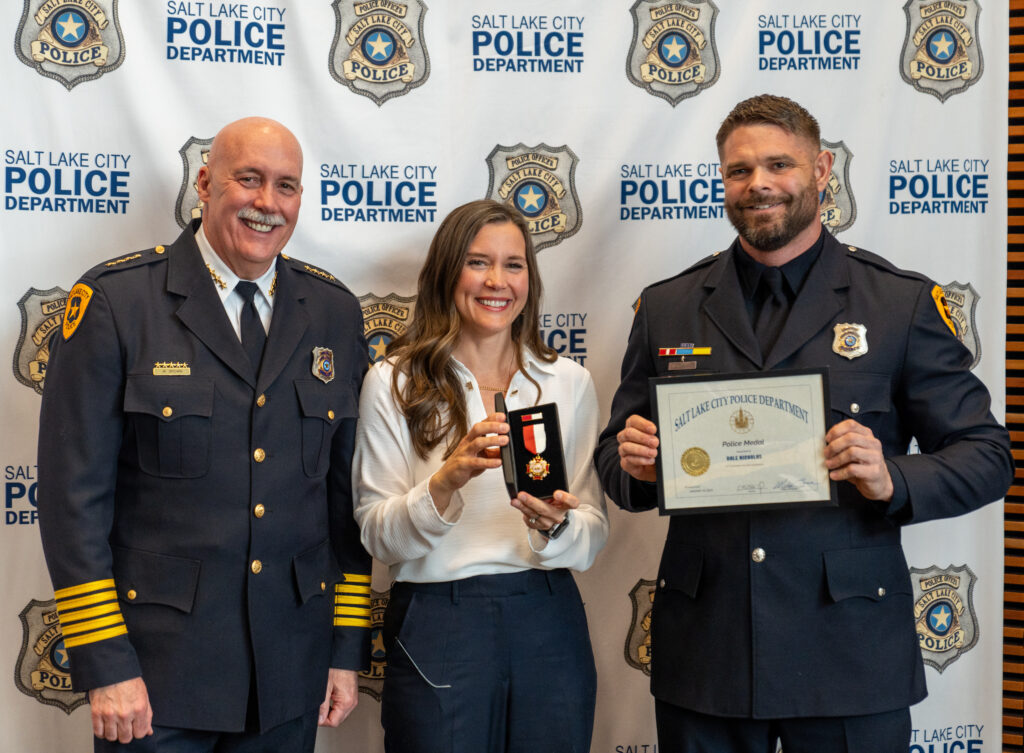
[
  {"x": 371, "y": 681},
  {"x": 540, "y": 183},
  {"x": 941, "y": 51},
  {"x": 962, "y": 300},
  {"x": 673, "y": 54},
  {"x": 42, "y": 670},
  {"x": 194, "y": 154},
  {"x": 838, "y": 205},
  {"x": 42, "y": 312},
  {"x": 379, "y": 50},
  {"x": 947, "y": 625},
  {"x": 638, "y": 639},
  {"x": 71, "y": 41},
  {"x": 384, "y": 319}
]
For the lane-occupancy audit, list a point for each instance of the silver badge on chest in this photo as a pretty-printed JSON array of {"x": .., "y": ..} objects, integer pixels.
[{"x": 851, "y": 340}]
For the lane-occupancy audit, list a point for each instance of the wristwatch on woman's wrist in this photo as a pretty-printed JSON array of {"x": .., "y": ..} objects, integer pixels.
[{"x": 556, "y": 530}]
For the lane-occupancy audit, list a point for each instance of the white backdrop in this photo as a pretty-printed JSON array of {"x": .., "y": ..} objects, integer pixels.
[{"x": 404, "y": 112}]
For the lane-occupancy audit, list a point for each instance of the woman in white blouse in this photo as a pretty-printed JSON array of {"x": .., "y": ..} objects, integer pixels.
[{"x": 484, "y": 618}]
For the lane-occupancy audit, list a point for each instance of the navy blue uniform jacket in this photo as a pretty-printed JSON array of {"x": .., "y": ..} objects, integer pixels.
[
  {"x": 195, "y": 516},
  {"x": 824, "y": 625}
]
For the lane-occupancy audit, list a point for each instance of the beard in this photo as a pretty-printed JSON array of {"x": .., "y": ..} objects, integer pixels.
[{"x": 771, "y": 235}]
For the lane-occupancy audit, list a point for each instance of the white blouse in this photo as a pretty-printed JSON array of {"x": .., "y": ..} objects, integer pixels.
[{"x": 480, "y": 532}]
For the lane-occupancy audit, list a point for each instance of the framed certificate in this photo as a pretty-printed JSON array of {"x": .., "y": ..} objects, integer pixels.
[{"x": 742, "y": 441}]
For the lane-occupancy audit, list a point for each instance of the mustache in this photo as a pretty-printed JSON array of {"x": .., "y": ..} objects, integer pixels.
[{"x": 248, "y": 213}]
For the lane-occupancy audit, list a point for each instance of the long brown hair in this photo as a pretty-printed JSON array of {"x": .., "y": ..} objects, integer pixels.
[{"x": 431, "y": 399}]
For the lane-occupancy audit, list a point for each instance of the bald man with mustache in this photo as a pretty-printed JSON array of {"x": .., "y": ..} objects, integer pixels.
[{"x": 195, "y": 503}]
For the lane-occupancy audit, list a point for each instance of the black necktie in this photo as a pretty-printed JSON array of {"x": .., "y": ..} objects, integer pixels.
[
  {"x": 253, "y": 334},
  {"x": 774, "y": 310}
]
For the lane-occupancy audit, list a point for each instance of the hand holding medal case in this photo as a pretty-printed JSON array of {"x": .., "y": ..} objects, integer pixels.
[{"x": 532, "y": 461}]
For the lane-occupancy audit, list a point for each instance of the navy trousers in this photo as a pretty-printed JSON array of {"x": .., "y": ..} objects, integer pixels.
[
  {"x": 489, "y": 664},
  {"x": 683, "y": 731}
]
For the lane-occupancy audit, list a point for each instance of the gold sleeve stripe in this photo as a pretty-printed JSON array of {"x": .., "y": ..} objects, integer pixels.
[
  {"x": 347, "y": 589},
  {"x": 354, "y": 611},
  {"x": 85, "y": 614},
  {"x": 347, "y": 622},
  {"x": 356, "y": 578},
  {"x": 85, "y": 627},
  {"x": 360, "y": 600},
  {"x": 85, "y": 601},
  {"x": 85, "y": 588},
  {"x": 102, "y": 635}
]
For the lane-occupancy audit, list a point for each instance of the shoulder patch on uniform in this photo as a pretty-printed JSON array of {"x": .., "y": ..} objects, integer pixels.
[
  {"x": 636, "y": 304},
  {"x": 940, "y": 303},
  {"x": 128, "y": 261},
  {"x": 74, "y": 310}
]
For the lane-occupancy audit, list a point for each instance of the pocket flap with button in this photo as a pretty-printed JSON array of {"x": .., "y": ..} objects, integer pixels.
[
  {"x": 870, "y": 572},
  {"x": 855, "y": 393},
  {"x": 154, "y": 395},
  {"x": 156, "y": 578},
  {"x": 319, "y": 400},
  {"x": 681, "y": 567},
  {"x": 315, "y": 569}
]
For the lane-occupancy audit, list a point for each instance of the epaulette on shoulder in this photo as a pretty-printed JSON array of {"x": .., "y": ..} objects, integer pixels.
[
  {"x": 689, "y": 270},
  {"x": 129, "y": 261},
  {"x": 879, "y": 262},
  {"x": 315, "y": 272}
]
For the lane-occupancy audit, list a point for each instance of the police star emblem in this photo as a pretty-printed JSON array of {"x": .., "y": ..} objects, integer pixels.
[
  {"x": 42, "y": 312},
  {"x": 379, "y": 50},
  {"x": 838, "y": 205},
  {"x": 194, "y": 154},
  {"x": 941, "y": 50},
  {"x": 71, "y": 41},
  {"x": 539, "y": 182},
  {"x": 384, "y": 319},
  {"x": 673, "y": 54},
  {"x": 371, "y": 681},
  {"x": 947, "y": 625},
  {"x": 43, "y": 670},
  {"x": 323, "y": 364}
]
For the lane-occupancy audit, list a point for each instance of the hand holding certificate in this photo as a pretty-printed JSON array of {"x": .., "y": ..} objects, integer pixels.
[{"x": 741, "y": 441}]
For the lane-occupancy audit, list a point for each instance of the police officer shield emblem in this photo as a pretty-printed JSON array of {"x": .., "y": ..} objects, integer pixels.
[
  {"x": 384, "y": 319},
  {"x": 194, "y": 154},
  {"x": 42, "y": 670},
  {"x": 42, "y": 312},
  {"x": 838, "y": 205},
  {"x": 947, "y": 625},
  {"x": 379, "y": 49},
  {"x": 323, "y": 364},
  {"x": 638, "y": 639},
  {"x": 851, "y": 340},
  {"x": 962, "y": 300},
  {"x": 371, "y": 681},
  {"x": 673, "y": 54},
  {"x": 71, "y": 41},
  {"x": 941, "y": 50},
  {"x": 539, "y": 182}
]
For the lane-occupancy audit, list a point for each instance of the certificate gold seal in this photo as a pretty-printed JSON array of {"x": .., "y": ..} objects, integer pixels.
[{"x": 695, "y": 461}]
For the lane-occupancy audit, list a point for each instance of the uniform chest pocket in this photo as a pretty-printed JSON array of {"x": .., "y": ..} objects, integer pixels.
[
  {"x": 322, "y": 406},
  {"x": 171, "y": 421},
  {"x": 863, "y": 397}
]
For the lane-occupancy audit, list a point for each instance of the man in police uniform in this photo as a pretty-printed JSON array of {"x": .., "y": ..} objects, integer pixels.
[
  {"x": 797, "y": 624},
  {"x": 194, "y": 493}
]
